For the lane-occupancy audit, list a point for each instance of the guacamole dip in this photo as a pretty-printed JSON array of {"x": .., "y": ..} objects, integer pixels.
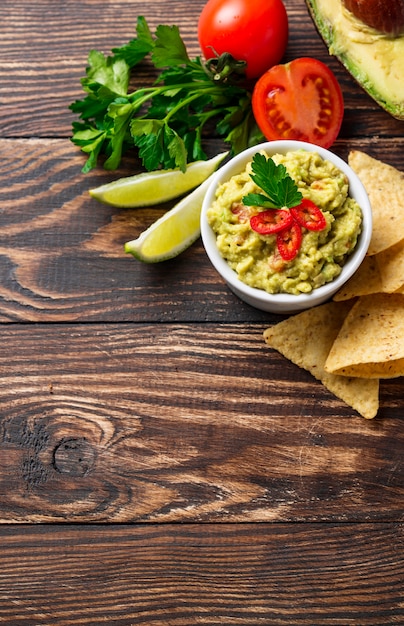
[{"x": 255, "y": 257}]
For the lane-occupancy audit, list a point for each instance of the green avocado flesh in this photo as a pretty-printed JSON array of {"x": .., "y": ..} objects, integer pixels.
[{"x": 376, "y": 61}]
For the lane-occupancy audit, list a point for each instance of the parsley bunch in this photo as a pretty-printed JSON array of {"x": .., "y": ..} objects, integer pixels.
[{"x": 165, "y": 121}]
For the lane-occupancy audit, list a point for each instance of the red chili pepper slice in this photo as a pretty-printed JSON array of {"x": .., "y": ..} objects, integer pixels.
[
  {"x": 288, "y": 241},
  {"x": 308, "y": 215},
  {"x": 271, "y": 221}
]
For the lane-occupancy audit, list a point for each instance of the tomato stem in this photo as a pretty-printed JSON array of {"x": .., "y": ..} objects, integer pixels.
[{"x": 225, "y": 68}]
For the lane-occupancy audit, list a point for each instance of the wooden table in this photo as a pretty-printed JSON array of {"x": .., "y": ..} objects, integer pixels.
[{"x": 158, "y": 463}]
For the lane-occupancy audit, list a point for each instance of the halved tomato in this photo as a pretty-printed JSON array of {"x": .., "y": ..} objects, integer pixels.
[{"x": 300, "y": 100}]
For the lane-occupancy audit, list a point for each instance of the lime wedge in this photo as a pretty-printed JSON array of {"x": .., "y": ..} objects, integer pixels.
[
  {"x": 172, "y": 233},
  {"x": 150, "y": 188}
]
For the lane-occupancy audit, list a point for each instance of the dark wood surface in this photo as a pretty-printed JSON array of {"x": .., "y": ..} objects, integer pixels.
[{"x": 158, "y": 463}]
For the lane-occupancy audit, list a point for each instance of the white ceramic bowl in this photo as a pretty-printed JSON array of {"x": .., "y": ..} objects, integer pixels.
[{"x": 285, "y": 303}]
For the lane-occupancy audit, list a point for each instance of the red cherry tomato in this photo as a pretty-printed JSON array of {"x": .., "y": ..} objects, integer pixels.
[
  {"x": 307, "y": 214},
  {"x": 255, "y": 31},
  {"x": 299, "y": 100},
  {"x": 271, "y": 221},
  {"x": 288, "y": 241}
]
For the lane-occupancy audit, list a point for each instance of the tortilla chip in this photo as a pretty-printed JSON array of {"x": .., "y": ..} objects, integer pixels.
[
  {"x": 380, "y": 273},
  {"x": 367, "y": 279},
  {"x": 306, "y": 339},
  {"x": 385, "y": 187},
  {"x": 391, "y": 267},
  {"x": 371, "y": 340}
]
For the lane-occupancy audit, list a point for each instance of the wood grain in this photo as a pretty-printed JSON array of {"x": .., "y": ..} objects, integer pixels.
[
  {"x": 184, "y": 423},
  {"x": 244, "y": 574},
  {"x": 158, "y": 463}
]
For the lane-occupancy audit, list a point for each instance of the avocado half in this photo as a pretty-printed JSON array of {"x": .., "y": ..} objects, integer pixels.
[{"x": 375, "y": 60}]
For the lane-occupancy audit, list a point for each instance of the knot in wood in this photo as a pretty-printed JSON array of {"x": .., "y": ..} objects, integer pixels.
[{"x": 75, "y": 457}]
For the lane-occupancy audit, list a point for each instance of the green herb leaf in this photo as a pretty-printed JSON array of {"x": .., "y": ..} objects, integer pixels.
[
  {"x": 258, "y": 199},
  {"x": 108, "y": 71},
  {"x": 120, "y": 113},
  {"x": 169, "y": 49},
  {"x": 136, "y": 49},
  {"x": 275, "y": 181}
]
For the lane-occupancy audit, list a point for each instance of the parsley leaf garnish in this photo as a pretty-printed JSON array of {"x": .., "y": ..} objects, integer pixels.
[
  {"x": 169, "y": 49},
  {"x": 279, "y": 187},
  {"x": 165, "y": 122}
]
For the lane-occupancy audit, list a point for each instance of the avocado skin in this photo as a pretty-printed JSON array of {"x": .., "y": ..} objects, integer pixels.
[{"x": 326, "y": 31}]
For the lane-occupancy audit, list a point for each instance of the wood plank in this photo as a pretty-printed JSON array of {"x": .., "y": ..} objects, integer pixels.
[
  {"x": 41, "y": 78},
  {"x": 62, "y": 256},
  {"x": 125, "y": 422},
  {"x": 247, "y": 574}
]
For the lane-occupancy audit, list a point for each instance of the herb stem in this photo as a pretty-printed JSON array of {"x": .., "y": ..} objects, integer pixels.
[{"x": 151, "y": 92}]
